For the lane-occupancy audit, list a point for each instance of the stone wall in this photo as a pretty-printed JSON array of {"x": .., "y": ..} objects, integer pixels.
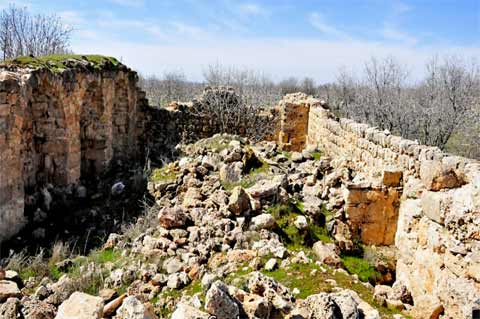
[
  {"x": 58, "y": 128},
  {"x": 435, "y": 222}
]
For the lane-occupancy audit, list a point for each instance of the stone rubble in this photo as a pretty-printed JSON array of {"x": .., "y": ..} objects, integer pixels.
[{"x": 233, "y": 223}]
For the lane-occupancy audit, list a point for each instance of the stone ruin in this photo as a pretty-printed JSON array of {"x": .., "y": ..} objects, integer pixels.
[
  {"x": 60, "y": 128},
  {"x": 424, "y": 201}
]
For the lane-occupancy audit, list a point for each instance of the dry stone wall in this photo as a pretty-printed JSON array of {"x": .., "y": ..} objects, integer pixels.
[
  {"x": 57, "y": 128},
  {"x": 422, "y": 200}
]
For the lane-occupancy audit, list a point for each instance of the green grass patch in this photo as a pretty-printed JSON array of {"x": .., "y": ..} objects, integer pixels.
[
  {"x": 58, "y": 62},
  {"x": 295, "y": 239},
  {"x": 250, "y": 179},
  {"x": 310, "y": 280},
  {"x": 361, "y": 267},
  {"x": 105, "y": 256},
  {"x": 300, "y": 276},
  {"x": 163, "y": 174}
]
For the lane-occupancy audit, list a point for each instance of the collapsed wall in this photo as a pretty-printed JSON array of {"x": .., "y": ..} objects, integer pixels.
[
  {"x": 424, "y": 201},
  {"x": 58, "y": 127}
]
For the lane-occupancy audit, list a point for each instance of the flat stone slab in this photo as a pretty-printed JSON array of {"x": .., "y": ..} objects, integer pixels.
[{"x": 8, "y": 289}]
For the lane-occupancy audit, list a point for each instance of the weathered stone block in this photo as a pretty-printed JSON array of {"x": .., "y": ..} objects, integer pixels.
[
  {"x": 437, "y": 176},
  {"x": 392, "y": 177},
  {"x": 435, "y": 205}
]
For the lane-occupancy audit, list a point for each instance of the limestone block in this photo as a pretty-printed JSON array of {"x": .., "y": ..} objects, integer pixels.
[
  {"x": 392, "y": 177},
  {"x": 437, "y": 176},
  {"x": 436, "y": 205}
]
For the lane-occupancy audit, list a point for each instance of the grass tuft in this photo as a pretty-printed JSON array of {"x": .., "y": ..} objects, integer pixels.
[{"x": 361, "y": 267}]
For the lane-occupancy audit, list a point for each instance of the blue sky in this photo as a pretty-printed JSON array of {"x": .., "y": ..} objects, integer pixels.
[{"x": 279, "y": 37}]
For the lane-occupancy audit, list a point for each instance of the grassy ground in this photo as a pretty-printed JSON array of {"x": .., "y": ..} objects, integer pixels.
[{"x": 163, "y": 174}]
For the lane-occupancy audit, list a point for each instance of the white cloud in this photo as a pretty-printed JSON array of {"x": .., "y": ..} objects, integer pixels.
[
  {"x": 72, "y": 18},
  {"x": 391, "y": 33},
  {"x": 108, "y": 22},
  {"x": 252, "y": 9},
  {"x": 318, "y": 22},
  {"x": 187, "y": 29},
  {"x": 280, "y": 58}
]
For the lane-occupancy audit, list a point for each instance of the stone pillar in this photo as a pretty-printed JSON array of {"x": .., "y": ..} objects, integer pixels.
[{"x": 294, "y": 112}]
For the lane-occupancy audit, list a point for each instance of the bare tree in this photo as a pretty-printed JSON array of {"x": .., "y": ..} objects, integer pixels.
[
  {"x": 254, "y": 87},
  {"x": 24, "y": 34},
  {"x": 308, "y": 86},
  {"x": 289, "y": 85},
  {"x": 435, "y": 110},
  {"x": 172, "y": 86},
  {"x": 225, "y": 111}
]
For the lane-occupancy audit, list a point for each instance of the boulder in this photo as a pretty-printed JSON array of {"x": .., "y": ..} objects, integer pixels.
[
  {"x": 219, "y": 303},
  {"x": 262, "y": 221},
  {"x": 275, "y": 293},
  {"x": 301, "y": 222},
  {"x": 382, "y": 293},
  {"x": 437, "y": 175},
  {"x": 9, "y": 289},
  {"x": 184, "y": 311},
  {"x": 239, "y": 201},
  {"x": 256, "y": 306},
  {"x": 347, "y": 304},
  {"x": 81, "y": 306},
  {"x": 267, "y": 188},
  {"x": 36, "y": 309},
  {"x": 231, "y": 172},
  {"x": 271, "y": 264},
  {"x": 132, "y": 308},
  {"x": 297, "y": 157},
  {"x": 118, "y": 188},
  {"x": 327, "y": 253},
  {"x": 322, "y": 306},
  {"x": 10, "y": 309},
  {"x": 172, "y": 217},
  {"x": 178, "y": 280},
  {"x": 427, "y": 306}
]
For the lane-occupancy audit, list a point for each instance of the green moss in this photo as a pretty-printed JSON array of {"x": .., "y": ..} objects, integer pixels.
[
  {"x": 361, "y": 267},
  {"x": 58, "y": 62}
]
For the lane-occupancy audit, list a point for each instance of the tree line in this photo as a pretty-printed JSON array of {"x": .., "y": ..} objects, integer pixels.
[{"x": 440, "y": 109}]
